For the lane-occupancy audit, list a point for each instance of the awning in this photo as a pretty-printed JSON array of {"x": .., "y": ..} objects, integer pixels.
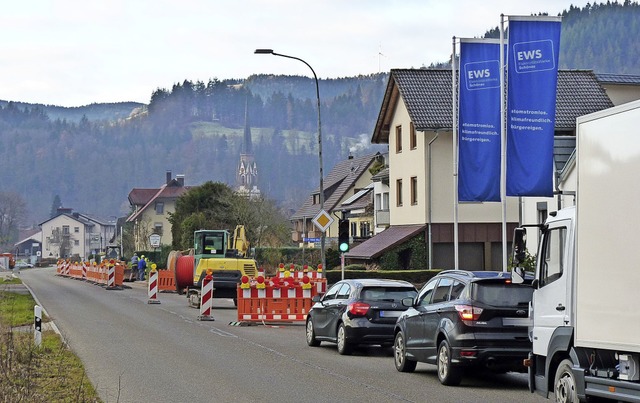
[{"x": 380, "y": 243}]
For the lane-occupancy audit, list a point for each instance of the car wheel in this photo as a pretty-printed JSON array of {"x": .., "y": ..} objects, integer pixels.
[
  {"x": 403, "y": 364},
  {"x": 564, "y": 386},
  {"x": 447, "y": 373},
  {"x": 343, "y": 347},
  {"x": 311, "y": 335}
]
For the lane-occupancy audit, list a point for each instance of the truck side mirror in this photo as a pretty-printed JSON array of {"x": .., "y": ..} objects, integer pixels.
[{"x": 519, "y": 246}]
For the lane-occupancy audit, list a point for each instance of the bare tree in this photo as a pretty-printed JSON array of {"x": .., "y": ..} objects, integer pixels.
[
  {"x": 62, "y": 241},
  {"x": 12, "y": 213}
]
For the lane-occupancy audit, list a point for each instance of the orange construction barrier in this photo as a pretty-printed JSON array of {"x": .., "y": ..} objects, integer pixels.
[
  {"x": 166, "y": 280},
  {"x": 278, "y": 299},
  {"x": 98, "y": 274}
]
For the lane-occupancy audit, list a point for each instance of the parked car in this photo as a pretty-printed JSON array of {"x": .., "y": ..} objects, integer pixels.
[
  {"x": 23, "y": 265},
  {"x": 354, "y": 312},
  {"x": 462, "y": 319}
]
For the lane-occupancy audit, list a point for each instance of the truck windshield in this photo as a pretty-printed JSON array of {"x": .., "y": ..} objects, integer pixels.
[{"x": 502, "y": 294}]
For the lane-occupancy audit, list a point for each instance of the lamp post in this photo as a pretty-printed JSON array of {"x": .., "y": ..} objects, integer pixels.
[{"x": 271, "y": 52}]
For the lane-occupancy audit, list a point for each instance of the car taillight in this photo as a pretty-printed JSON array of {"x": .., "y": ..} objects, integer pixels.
[
  {"x": 468, "y": 312},
  {"x": 358, "y": 308}
]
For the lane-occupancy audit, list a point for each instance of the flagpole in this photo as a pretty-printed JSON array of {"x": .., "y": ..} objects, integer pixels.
[
  {"x": 503, "y": 146},
  {"x": 454, "y": 135}
]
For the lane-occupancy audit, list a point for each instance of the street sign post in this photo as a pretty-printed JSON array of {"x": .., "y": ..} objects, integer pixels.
[
  {"x": 322, "y": 221},
  {"x": 154, "y": 240}
]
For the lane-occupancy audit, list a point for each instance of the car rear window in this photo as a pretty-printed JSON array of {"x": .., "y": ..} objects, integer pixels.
[
  {"x": 501, "y": 294},
  {"x": 387, "y": 293}
]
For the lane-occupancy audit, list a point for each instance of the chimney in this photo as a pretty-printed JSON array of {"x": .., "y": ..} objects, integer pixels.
[
  {"x": 180, "y": 179},
  {"x": 168, "y": 177}
]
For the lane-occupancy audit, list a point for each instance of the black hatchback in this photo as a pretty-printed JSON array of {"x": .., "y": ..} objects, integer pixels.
[
  {"x": 354, "y": 312},
  {"x": 462, "y": 319}
]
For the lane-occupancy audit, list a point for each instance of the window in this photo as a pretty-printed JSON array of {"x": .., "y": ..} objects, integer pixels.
[
  {"x": 365, "y": 228},
  {"x": 456, "y": 290},
  {"x": 441, "y": 293},
  {"x": 316, "y": 198},
  {"x": 353, "y": 228},
  {"x": 399, "y": 192},
  {"x": 398, "y": 139},
  {"x": 425, "y": 294},
  {"x": 159, "y": 208},
  {"x": 76, "y": 229},
  {"x": 333, "y": 291},
  {"x": 385, "y": 201},
  {"x": 553, "y": 252},
  {"x": 414, "y": 190},
  {"x": 378, "y": 204},
  {"x": 157, "y": 228},
  {"x": 413, "y": 138},
  {"x": 76, "y": 242},
  {"x": 344, "y": 292},
  {"x": 65, "y": 229}
]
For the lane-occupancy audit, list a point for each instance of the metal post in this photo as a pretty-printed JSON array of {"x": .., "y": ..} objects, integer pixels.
[{"x": 271, "y": 52}]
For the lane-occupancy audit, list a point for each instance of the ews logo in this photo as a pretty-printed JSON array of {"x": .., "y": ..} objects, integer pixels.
[
  {"x": 534, "y": 56},
  {"x": 482, "y": 75}
]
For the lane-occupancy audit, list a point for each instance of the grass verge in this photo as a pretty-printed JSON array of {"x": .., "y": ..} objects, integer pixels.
[{"x": 48, "y": 373}]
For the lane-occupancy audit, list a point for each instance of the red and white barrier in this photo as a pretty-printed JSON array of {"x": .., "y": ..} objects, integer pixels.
[
  {"x": 153, "y": 287},
  {"x": 206, "y": 301},
  {"x": 111, "y": 277}
]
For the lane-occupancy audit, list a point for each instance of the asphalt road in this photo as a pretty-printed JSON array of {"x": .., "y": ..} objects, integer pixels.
[{"x": 139, "y": 352}]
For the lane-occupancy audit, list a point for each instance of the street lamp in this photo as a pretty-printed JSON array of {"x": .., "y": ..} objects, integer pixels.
[{"x": 271, "y": 52}]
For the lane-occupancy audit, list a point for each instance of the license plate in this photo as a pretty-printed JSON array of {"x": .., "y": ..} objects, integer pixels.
[
  {"x": 389, "y": 314},
  {"x": 517, "y": 322}
]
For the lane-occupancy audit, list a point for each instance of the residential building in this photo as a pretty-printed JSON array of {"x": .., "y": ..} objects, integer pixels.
[
  {"x": 151, "y": 208},
  {"x": 415, "y": 121},
  {"x": 347, "y": 193},
  {"x": 70, "y": 235},
  {"x": 620, "y": 88}
]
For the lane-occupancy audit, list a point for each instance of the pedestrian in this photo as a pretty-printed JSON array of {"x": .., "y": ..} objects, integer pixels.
[
  {"x": 142, "y": 267},
  {"x": 134, "y": 261}
]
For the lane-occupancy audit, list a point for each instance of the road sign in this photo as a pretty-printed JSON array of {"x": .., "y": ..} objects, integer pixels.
[
  {"x": 322, "y": 220},
  {"x": 154, "y": 240},
  {"x": 310, "y": 239}
]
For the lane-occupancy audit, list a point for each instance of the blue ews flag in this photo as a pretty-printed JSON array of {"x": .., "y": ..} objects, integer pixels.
[
  {"x": 531, "y": 104},
  {"x": 479, "y": 121}
]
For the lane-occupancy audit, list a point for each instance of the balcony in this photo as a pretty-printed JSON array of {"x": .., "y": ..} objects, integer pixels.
[{"x": 382, "y": 218}]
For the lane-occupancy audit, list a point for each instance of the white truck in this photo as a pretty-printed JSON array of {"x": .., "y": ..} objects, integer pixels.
[{"x": 586, "y": 303}]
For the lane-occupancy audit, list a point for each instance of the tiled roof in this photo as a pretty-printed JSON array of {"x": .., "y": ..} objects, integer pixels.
[
  {"x": 427, "y": 95},
  {"x": 578, "y": 93},
  {"x": 376, "y": 246},
  {"x": 140, "y": 197},
  {"x": 336, "y": 184},
  {"x": 171, "y": 191},
  {"x": 607, "y": 78},
  {"x": 563, "y": 147}
]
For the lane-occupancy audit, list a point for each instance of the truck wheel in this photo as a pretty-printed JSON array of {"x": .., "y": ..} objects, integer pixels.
[
  {"x": 448, "y": 374},
  {"x": 403, "y": 364},
  {"x": 564, "y": 386}
]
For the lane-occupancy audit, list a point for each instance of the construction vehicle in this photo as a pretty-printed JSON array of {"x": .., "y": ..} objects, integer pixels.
[{"x": 225, "y": 254}]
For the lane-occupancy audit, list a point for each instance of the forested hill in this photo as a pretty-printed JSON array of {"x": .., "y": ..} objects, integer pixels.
[
  {"x": 602, "y": 37},
  {"x": 196, "y": 128}
]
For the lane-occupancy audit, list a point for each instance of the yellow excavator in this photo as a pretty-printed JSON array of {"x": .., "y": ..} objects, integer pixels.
[{"x": 225, "y": 254}]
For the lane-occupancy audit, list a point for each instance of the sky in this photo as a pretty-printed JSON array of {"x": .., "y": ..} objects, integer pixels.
[{"x": 79, "y": 52}]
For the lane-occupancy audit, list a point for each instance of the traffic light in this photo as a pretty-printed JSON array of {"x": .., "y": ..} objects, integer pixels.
[{"x": 343, "y": 235}]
